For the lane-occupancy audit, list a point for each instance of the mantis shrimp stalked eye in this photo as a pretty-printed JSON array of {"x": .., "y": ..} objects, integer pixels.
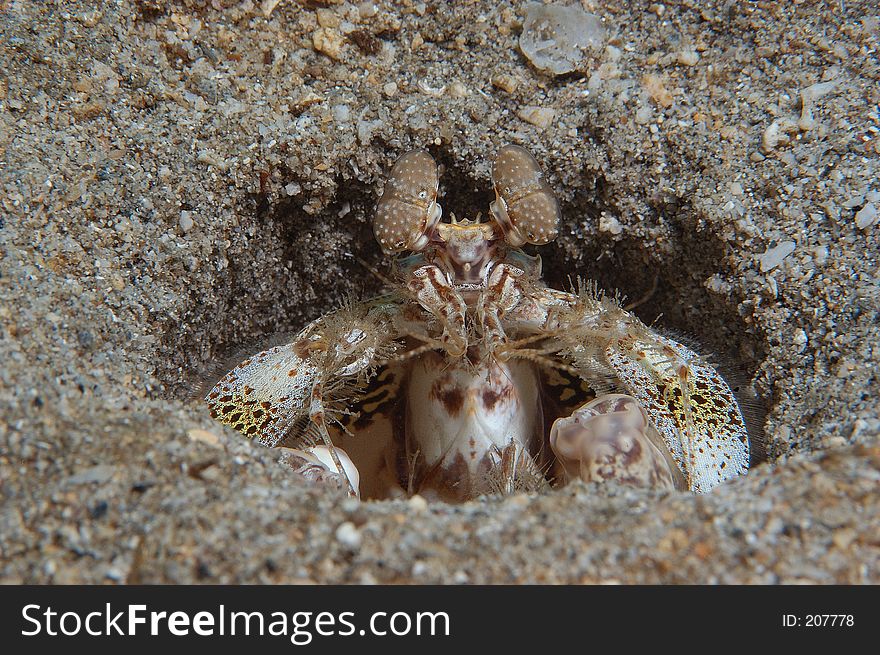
[
  {"x": 525, "y": 206},
  {"x": 408, "y": 210}
]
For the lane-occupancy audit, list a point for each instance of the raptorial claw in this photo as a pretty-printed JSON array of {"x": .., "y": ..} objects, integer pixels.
[
  {"x": 611, "y": 439},
  {"x": 315, "y": 464}
]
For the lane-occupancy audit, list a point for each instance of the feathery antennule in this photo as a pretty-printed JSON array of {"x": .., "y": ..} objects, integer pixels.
[
  {"x": 387, "y": 281},
  {"x": 516, "y": 472},
  {"x": 643, "y": 298},
  {"x": 541, "y": 358}
]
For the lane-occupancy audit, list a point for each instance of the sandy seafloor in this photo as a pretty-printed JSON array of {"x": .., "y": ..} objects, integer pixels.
[{"x": 181, "y": 179}]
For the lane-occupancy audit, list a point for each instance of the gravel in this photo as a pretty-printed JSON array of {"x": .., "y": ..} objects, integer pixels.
[{"x": 181, "y": 182}]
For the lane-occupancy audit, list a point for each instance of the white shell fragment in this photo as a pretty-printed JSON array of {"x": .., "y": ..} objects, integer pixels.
[
  {"x": 773, "y": 257},
  {"x": 866, "y": 216},
  {"x": 349, "y": 536},
  {"x": 538, "y": 116},
  {"x": 808, "y": 97},
  {"x": 554, "y": 37},
  {"x": 777, "y": 133},
  {"x": 186, "y": 221}
]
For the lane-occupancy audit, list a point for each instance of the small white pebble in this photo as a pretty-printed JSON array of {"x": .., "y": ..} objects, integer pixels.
[
  {"x": 458, "y": 90},
  {"x": 866, "y": 216},
  {"x": 367, "y": 9},
  {"x": 390, "y": 89},
  {"x": 186, "y": 221},
  {"x": 292, "y": 189},
  {"x": 203, "y": 436},
  {"x": 341, "y": 113},
  {"x": 777, "y": 133},
  {"x": 418, "y": 504},
  {"x": 773, "y": 257},
  {"x": 541, "y": 117},
  {"x": 349, "y": 536},
  {"x": 365, "y": 130},
  {"x": 688, "y": 57},
  {"x": 610, "y": 224},
  {"x": 644, "y": 115},
  {"x": 350, "y": 505},
  {"x": 717, "y": 284}
]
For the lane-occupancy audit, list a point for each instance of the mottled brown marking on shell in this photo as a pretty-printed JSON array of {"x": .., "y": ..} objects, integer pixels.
[
  {"x": 448, "y": 394},
  {"x": 492, "y": 397}
]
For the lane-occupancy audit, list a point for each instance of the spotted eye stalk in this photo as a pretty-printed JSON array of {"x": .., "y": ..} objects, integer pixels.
[
  {"x": 525, "y": 207},
  {"x": 408, "y": 211}
]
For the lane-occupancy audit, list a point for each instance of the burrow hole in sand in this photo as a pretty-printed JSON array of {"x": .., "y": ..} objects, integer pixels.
[{"x": 306, "y": 265}]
